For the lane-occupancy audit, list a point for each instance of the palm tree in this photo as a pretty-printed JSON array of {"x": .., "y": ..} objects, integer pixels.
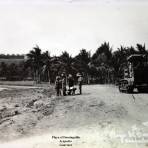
[
  {"x": 82, "y": 61},
  {"x": 103, "y": 54},
  {"x": 67, "y": 63},
  {"x": 55, "y": 67},
  {"x": 46, "y": 69},
  {"x": 102, "y": 60},
  {"x": 142, "y": 49},
  {"x": 35, "y": 61}
]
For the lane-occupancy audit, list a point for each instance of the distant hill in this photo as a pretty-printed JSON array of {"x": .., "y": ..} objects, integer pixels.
[{"x": 9, "y": 59}]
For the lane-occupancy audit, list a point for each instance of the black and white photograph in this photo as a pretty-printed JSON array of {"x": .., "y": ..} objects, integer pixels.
[{"x": 73, "y": 73}]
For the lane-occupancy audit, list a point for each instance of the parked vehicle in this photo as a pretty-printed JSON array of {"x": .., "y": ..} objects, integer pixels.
[{"x": 135, "y": 75}]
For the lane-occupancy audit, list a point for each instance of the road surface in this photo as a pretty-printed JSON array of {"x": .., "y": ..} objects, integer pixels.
[{"x": 100, "y": 117}]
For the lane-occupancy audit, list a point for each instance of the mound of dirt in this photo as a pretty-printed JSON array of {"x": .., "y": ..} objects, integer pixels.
[{"x": 21, "y": 110}]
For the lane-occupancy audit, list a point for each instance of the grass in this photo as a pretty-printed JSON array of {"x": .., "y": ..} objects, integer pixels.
[
  {"x": 25, "y": 83},
  {"x": 20, "y": 83}
]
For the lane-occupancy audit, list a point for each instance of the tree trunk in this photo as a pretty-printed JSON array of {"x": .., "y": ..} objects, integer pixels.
[
  {"x": 48, "y": 77},
  {"x": 88, "y": 79},
  {"x": 39, "y": 76}
]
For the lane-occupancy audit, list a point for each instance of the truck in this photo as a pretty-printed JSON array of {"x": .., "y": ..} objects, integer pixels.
[{"x": 135, "y": 74}]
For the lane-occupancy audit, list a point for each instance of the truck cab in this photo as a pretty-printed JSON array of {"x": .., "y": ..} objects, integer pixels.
[{"x": 135, "y": 75}]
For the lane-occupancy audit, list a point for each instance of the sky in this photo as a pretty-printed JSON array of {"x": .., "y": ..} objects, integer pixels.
[{"x": 70, "y": 25}]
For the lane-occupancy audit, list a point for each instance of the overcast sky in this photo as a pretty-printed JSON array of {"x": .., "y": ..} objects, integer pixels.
[{"x": 58, "y": 25}]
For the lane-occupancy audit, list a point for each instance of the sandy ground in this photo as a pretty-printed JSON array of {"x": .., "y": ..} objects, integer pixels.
[
  {"x": 21, "y": 108},
  {"x": 100, "y": 117}
]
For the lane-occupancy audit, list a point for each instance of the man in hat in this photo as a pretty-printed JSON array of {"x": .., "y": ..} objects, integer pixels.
[
  {"x": 71, "y": 84},
  {"x": 58, "y": 85},
  {"x": 80, "y": 81}
]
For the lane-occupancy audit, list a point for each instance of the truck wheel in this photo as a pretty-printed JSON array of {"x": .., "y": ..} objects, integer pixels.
[
  {"x": 120, "y": 87},
  {"x": 130, "y": 89}
]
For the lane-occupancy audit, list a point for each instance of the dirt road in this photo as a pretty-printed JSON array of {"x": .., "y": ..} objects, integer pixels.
[{"x": 100, "y": 117}]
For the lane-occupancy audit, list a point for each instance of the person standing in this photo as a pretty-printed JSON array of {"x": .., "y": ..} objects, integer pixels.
[
  {"x": 70, "y": 84},
  {"x": 80, "y": 81},
  {"x": 60, "y": 86},
  {"x": 57, "y": 85}
]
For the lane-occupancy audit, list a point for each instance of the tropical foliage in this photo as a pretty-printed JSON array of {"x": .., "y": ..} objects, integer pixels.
[{"x": 105, "y": 65}]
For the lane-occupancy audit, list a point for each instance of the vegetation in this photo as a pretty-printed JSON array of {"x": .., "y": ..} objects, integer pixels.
[{"x": 104, "y": 66}]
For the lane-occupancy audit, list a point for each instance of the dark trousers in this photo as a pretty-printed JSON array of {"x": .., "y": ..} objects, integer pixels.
[
  {"x": 64, "y": 91},
  {"x": 58, "y": 92},
  {"x": 80, "y": 88}
]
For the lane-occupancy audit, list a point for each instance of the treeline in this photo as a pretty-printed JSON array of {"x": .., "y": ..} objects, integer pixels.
[
  {"x": 11, "y": 56},
  {"x": 104, "y": 66}
]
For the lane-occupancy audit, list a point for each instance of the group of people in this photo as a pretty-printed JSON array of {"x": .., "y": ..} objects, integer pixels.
[{"x": 66, "y": 85}]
